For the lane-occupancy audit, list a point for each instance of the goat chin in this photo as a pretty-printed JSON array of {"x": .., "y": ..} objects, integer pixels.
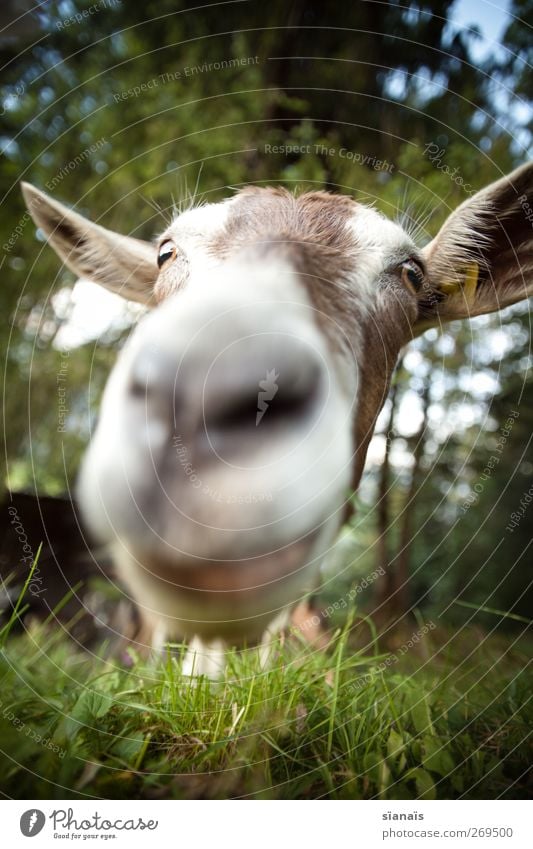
[{"x": 218, "y": 605}]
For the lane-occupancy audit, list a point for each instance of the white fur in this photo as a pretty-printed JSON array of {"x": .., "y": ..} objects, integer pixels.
[
  {"x": 193, "y": 229},
  {"x": 378, "y": 240}
]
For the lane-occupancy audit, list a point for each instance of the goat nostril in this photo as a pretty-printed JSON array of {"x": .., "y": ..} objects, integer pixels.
[
  {"x": 153, "y": 378},
  {"x": 138, "y": 389},
  {"x": 232, "y": 396},
  {"x": 274, "y": 401}
]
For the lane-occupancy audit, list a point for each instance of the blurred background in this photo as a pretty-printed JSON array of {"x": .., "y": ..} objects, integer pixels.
[{"x": 129, "y": 109}]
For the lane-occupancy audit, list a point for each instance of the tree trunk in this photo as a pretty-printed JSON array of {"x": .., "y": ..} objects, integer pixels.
[
  {"x": 394, "y": 598},
  {"x": 383, "y": 510}
]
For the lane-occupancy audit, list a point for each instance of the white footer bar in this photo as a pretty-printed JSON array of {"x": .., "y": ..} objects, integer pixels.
[{"x": 266, "y": 825}]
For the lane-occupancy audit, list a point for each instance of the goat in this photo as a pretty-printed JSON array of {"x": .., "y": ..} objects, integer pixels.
[{"x": 235, "y": 423}]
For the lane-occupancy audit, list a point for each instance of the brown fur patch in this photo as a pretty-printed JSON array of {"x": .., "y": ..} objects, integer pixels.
[{"x": 310, "y": 231}]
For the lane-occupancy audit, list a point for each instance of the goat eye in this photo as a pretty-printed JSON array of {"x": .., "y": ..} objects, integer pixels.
[
  {"x": 167, "y": 250},
  {"x": 412, "y": 275}
]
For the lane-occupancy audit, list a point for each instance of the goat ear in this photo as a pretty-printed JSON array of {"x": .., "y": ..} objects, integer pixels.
[
  {"x": 482, "y": 258},
  {"x": 121, "y": 264}
]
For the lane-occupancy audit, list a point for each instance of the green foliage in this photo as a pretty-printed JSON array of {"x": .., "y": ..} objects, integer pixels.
[{"x": 379, "y": 82}]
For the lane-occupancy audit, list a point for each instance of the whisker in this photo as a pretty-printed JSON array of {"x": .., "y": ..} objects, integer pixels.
[
  {"x": 195, "y": 193},
  {"x": 158, "y": 209},
  {"x": 414, "y": 218}
]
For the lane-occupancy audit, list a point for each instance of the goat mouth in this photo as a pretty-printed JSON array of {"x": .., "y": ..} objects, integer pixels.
[{"x": 250, "y": 574}]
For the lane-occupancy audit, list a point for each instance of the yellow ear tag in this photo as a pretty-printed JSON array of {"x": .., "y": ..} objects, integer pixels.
[{"x": 468, "y": 286}]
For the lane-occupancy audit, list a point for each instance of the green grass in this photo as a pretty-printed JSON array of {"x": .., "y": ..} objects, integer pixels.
[{"x": 451, "y": 718}]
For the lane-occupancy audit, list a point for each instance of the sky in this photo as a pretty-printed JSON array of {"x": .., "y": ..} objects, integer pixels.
[{"x": 491, "y": 16}]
